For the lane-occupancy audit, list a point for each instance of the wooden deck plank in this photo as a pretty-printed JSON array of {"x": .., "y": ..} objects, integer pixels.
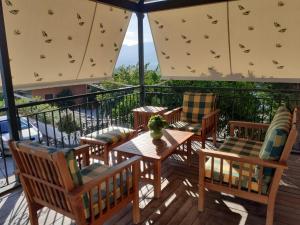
[{"x": 178, "y": 202}]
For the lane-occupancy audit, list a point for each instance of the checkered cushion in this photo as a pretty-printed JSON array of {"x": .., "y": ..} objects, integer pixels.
[
  {"x": 241, "y": 147},
  {"x": 275, "y": 140},
  {"x": 185, "y": 126},
  {"x": 276, "y": 135},
  {"x": 110, "y": 135},
  {"x": 196, "y": 105},
  {"x": 235, "y": 174},
  {"x": 93, "y": 171}
]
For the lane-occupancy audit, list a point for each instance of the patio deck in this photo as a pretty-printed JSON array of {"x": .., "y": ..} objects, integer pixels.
[{"x": 178, "y": 202}]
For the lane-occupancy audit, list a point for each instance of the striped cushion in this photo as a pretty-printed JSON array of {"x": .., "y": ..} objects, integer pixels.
[
  {"x": 185, "y": 126},
  {"x": 276, "y": 135},
  {"x": 110, "y": 135},
  {"x": 235, "y": 174},
  {"x": 93, "y": 171},
  {"x": 196, "y": 105},
  {"x": 275, "y": 140},
  {"x": 241, "y": 147}
]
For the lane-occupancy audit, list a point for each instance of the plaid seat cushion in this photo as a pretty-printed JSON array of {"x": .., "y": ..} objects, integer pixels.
[
  {"x": 110, "y": 135},
  {"x": 93, "y": 171},
  {"x": 241, "y": 147},
  {"x": 196, "y": 105},
  {"x": 185, "y": 126}
]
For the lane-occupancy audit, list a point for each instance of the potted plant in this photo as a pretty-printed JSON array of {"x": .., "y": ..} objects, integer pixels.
[{"x": 156, "y": 124}]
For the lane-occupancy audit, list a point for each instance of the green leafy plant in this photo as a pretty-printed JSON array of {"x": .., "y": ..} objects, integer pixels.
[
  {"x": 67, "y": 124},
  {"x": 157, "y": 122}
]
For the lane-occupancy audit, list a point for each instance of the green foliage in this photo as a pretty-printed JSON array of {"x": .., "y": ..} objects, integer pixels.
[
  {"x": 67, "y": 124},
  {"x": 129, "y": 75},
  {"x": 122, "y": 109},
  {"x": 157, "y": 122}
]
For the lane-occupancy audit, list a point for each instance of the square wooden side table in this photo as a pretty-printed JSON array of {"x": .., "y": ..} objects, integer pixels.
[
  {"x": 142, "y": 115},
  {"x": 154, "y": 152}
]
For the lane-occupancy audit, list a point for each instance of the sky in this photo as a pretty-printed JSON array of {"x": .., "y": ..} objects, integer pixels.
[
  {"x": 131, "y": 37},
  {"x": 129, "y": 51}
]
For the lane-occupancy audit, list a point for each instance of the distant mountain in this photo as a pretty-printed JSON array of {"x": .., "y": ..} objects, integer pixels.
[{"x": 129, "y": 55}]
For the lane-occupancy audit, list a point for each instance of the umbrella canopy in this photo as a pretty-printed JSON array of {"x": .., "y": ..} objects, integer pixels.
[
  {"x": 235, "y": 40},
  {"x": 55, "y": 42}
]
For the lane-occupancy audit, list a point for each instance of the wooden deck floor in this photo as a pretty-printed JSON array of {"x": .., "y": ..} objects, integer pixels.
[{"x": 178, "y": 203}]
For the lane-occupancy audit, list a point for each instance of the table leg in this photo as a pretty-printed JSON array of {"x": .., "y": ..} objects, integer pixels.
[
  {"x": 189, "y": 151},
  {"x": 157, "y": 178}
]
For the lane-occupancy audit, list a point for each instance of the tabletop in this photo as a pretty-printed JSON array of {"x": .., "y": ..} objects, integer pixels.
[{"x": 144, "y": 145}]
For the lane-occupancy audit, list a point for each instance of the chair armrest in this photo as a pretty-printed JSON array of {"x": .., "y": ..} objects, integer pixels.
[
  {"x": 82, "y": 150},
  {"x": 212, "y": 114},
  {"x": 173, "y": 115},
  {"x": 248, "y": 130},
  {"x": 110, "y": 173},
  {"x": 209, "y": 122},
  {"x": 243, "y": 159}
]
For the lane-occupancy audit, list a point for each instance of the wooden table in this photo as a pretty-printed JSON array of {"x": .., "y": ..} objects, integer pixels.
[
  {"x": 142, "y": 115},
  {"x": 154, "y": 152}
]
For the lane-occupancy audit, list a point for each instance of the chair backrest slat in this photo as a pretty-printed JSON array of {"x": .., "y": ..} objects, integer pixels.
[{"x": 45, "y": 176}]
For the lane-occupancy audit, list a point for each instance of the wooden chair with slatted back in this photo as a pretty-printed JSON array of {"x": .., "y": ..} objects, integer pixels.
[
  {"x": 246, "y": 165},
  {"x": 48, "y": 181},
  {"x": 198, "y": 115}
]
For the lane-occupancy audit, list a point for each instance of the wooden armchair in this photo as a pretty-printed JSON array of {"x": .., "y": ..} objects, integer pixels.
[
  {"x": 198, "y": 115},
  {"x": 245, "y": 166},
  {"x": 51, "y": 178}
]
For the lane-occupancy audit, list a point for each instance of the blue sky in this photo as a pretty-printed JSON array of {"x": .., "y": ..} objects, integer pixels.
[{"x": 131, "y": 37}]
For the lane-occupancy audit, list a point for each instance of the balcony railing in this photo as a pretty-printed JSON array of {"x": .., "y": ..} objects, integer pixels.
[{"x": 61, "y": 122}]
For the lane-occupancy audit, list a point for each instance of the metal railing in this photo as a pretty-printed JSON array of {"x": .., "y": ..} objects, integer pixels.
[
  {"x": 60, "y": 122},
  {"x": 256, "y": 105}
]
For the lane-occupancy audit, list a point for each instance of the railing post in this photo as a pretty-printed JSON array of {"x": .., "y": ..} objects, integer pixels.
[
  {"x": 140, "y": 18},
  {"x": 7, "y": 86}
]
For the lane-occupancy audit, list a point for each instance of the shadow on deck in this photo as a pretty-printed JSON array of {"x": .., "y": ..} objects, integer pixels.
[{"x": 178, "y": 202}]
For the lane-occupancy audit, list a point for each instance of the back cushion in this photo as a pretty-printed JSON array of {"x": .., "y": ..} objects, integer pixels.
[
  {"x": 276, "y": 135},
  {"x": 196, "y": 105}
]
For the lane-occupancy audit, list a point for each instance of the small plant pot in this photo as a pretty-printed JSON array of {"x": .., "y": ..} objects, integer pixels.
[{"x": 156, "y": 134}]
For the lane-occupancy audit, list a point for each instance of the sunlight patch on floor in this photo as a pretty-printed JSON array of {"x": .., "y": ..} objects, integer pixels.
[
  {"x": 170, "y": 200},
  {"x": 238, "y": 209}
]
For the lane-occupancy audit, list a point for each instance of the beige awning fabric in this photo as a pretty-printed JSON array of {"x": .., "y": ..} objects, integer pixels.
[
  {"x": 62, "y": 42},
  {"x": 248, "y": 40}
]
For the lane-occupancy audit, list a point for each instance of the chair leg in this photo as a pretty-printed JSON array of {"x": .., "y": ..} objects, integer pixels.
[
  {"x": 203, "y": 142},
  {"x": 201, "y": 182},
  {"x": 270, "y": 212},
  {"x": 201, "y": 199},
  {"x": 33, "y": 217},
  {"x": 214, "y": 136},
  {"x": 136, "y": 217},
  {"x": 106, "y": 155}
]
